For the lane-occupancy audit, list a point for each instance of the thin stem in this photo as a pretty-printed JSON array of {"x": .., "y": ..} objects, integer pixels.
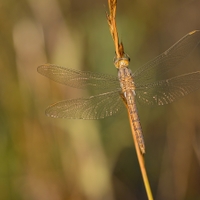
[
  {"x": 113, "y": 27},
  {"x": 120, "y": 53}
]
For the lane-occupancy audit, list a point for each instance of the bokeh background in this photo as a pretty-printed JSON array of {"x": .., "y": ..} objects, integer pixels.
[{"x": 55, "y": 159}]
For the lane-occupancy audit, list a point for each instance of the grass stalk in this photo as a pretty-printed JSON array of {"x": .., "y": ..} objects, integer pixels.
[{"x": 119, "y": 50}]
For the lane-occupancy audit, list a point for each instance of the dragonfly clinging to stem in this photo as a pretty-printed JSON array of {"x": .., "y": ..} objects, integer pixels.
[{"x": 140, "y": 85}]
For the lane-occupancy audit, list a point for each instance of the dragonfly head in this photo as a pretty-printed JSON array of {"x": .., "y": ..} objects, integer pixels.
[{"x": 121, "y": 62}]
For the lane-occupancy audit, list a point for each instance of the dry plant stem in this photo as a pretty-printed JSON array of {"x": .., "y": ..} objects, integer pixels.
[
  {"x": 120, "y": 53},
  {"x": 113, "y": 28}
]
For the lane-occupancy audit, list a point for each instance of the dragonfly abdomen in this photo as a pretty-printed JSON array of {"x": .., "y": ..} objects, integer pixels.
[{"x": 137, "y": 126}]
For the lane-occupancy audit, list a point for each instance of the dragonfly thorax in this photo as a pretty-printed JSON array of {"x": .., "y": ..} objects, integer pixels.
[{"x": 126, "y": 79}]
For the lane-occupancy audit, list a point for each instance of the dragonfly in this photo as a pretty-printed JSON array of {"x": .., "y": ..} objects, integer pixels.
[{"x": 147, "y": 85}]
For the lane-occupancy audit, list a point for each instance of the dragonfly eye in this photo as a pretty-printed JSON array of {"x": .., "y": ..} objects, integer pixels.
[
  {"x": 121, "y": 62},
  {"x": 126, "y": 56}
]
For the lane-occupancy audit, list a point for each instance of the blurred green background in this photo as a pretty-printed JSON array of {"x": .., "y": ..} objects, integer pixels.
[{"x": 54, "y": 159}]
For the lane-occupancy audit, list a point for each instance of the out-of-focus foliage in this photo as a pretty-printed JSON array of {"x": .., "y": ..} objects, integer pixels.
[{"x": 43, "y": 158}]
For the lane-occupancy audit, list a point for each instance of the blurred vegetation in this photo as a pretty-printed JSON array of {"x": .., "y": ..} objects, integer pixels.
[{"x": 43, "y": 158}]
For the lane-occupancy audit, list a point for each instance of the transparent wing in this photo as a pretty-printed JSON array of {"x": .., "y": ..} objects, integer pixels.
[
  {"x": 159, "y": 66},
  {"x": 79, "y": 79},
  {"x": 166, "y": 91},
  {"x": 95, "y": 107}
]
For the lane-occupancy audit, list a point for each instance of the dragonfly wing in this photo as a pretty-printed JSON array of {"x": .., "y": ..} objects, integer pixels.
[
  {"x": 166, "y": 91},
  {"x": 95, "y": 107},
  {"x": 167, "y": 60},
  {"x": 78, "y": 79}
]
